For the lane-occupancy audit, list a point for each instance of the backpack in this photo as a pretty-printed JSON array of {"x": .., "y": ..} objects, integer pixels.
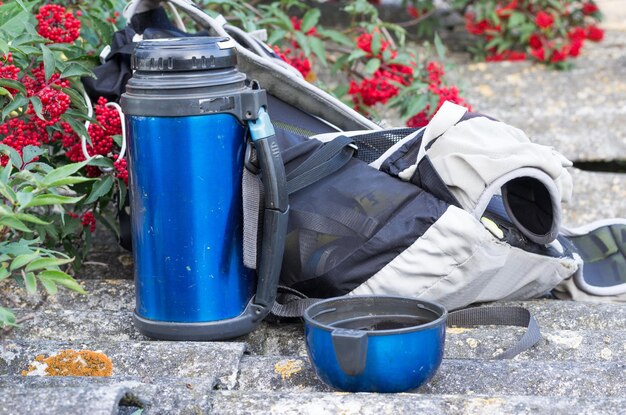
[{"x": 462, "y": 211}]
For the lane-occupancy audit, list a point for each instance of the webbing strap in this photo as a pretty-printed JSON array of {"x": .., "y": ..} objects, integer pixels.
[
  {"x": 326, "y": 160},
  {"x": 294, "y": 306},
  {"x": 500, "y": 316}
]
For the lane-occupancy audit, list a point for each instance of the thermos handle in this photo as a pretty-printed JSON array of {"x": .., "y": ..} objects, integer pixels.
[
  {"x": 350, "y": 347},
  {"x": 276, "y": 211}
]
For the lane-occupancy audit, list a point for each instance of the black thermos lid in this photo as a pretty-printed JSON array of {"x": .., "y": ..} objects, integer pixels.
[{"x": 184, "y": 54}]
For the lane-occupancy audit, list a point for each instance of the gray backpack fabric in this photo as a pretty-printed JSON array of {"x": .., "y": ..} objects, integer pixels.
[{"x": 387, "y": 222}]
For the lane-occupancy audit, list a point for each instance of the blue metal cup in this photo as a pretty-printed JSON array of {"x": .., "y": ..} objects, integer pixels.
[
  {"x": 187, "y": 108},
  {"x": 375, "y": 343}
]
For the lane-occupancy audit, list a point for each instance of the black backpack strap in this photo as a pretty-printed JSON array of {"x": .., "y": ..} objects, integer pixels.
[
  {"x": 295, "y": 304},
  {"x": 324, "y": 161},
  {"x": 500, "y": 316}
]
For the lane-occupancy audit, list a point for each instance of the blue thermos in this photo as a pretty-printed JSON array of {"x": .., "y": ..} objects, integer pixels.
[{"x": 189, "y": 113}]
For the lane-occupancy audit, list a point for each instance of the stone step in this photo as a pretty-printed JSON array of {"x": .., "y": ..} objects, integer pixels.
[
  {"x": 107, "y": 294},
  {"x": 213, "y": 361},
  {"x": 243, "y": 402},
  {"x": 118, "y": 295},
  {"x": 159, "y": 395},
  {"x": 288, "y": 339},
  {"x": 105, "y": 400},
  {"x": 458, "y": 376},
  {"x": 595, "y": 196}
]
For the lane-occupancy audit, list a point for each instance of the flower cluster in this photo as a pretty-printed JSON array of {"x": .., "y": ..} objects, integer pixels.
[
  {"x": 31, "y": 128},
  {"x": 543, "y": 30},
  {"x": 57, "y": 24},
  {"x": 435, "y": 73},
  {"x": 385, "y": 82},
  {"x": 294, "y": 55},
  {"x": 47, "y": 114}
]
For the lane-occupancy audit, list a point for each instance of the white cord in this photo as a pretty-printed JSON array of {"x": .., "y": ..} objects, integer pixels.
[
  {"x": 123, "y": 125},
  {"x": 177, "y": 20},
  {"x": 83, "y": 139}
]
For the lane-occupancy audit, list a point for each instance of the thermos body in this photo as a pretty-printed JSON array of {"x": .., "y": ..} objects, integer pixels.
[
  {"x": 187, "y": 217},
  {"x": 186, "y": 109}
]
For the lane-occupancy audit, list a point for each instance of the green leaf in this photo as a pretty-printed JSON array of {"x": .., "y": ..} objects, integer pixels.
[
  {"x": 61, "y": 278},
  {"x": 14, "y": 223},
  {"x": 21, "y": 260},
  {"x": 24, "y": 198},
  {"x": 318, "y": 49},
  {"x": 50, "y": 199},
  {"x": 101, "y": 161},
  {"x": 303, "y": 41},
  {"x": 5, "y": 92},
  {"x": 37, "y": 106},
  {"x": 335, "y": 36},
  {"x": 356, "y": 54},
  {"x": 30, "y": 152},
  {"x": 9, "y": 83},
  {"x": 122, "y": 194},
  {"x": 48, "y": 61},
  {"x": 8, "y": 193},
  {"x": 4, "y": 273},
  {"x": 372, "y": 66},
  {"x": 376, "y": 43},
  {"x": 439, "y": 47},
  {"x": 310, "y": 19},
  {"x": 417, "y": 105},
  {"x": 516, "y": 19},
  {"x": 46, "y": 263},
  {"x": 7, "y": 318},
  {"x": 27, "y": 217},
  {"x": 76, "y": 70},
  {"x": 5, "y": 173},
  {"x": 15, "y": 157},
  {"x": 15, "y": 25},
  {"x": 276, "y": 36},
  {"x": 18, "y": 102},
  {"x": 77, "y": 126},
  {"x": 78, "y": 101},
  {"x": 62, "y": 172},
  {"x": 49, "y": 285},
  {"x": 100, "y": 188},
  {"x": 71, "y": 180},
  {"x": 30, "y": 282}
]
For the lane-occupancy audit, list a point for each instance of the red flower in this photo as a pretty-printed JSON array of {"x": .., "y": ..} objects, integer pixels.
[
  {"x": 577, "y": 33},
  {"x": 474, "y": 27},
  {"x": 507, "y": 55},
  {"x": 297, "y": 25},
  {"x": 413, "y": 12},
  {"x": 594, "y": 33},
  {"x": 57, "y": 24},
  {"x": 88, "y": 220},
  {"x": 590, "y": 8},
  {"x": 506, "y": 11},
  {"x": 559, "y": 55},
  {"x": 364, "y": 42},
  {"x": 538, "y": 53},
  {"x": 295, "y": 59},
  {"x": 544, "y": 20},
  {"x": 535, "y": 41},
  {"x": 435, "y": 72},
  {"x": 575, "y": 47}
]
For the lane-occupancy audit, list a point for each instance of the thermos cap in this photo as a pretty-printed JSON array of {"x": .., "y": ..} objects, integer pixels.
[{"x": 184, "y": 54}]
